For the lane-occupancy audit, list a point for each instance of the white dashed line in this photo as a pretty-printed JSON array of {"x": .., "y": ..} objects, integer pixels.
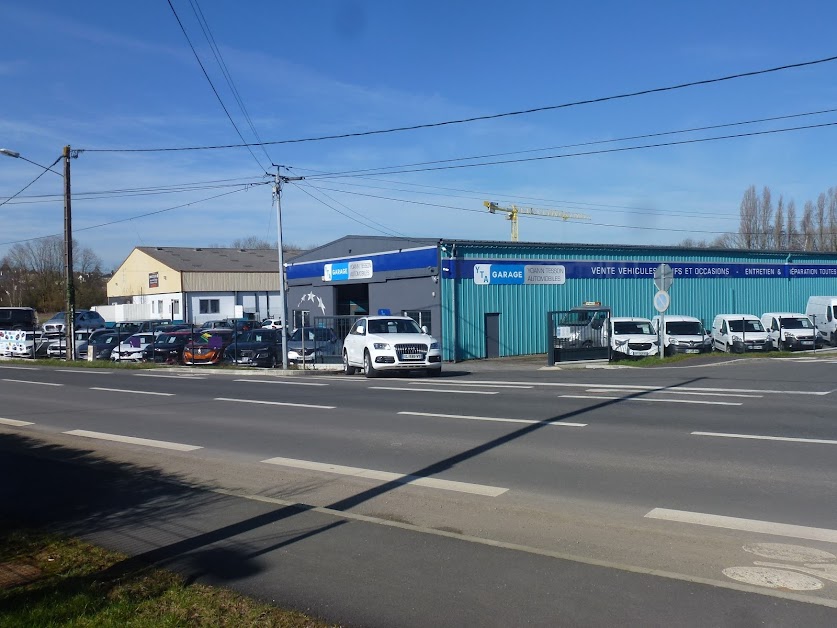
[
  {"x": 674, "y": 391},
  {"x": 21, "y": 368},
  {"x": 271, "y": 381},
  {"x": 691, "y": 401},
  {"x": 747, "y": 525},
  {"x": 15, "y": 422},
  {"x": 439, "y": 390},
  {"x": 466, "y": 384},
  {"x": 499, "y": 420},
  {"x": 277, "y": 403},
  {"x": 185, "y": 376},
  {"x": 133, "y": 440},
  {"x": 819, "y": 441},
  {"x": 617, "y": 387},
  {"x": 386, "y": 476},
  {"x": 94, "y": 371},
  {"x": 26, "y": 381},
  {"x": 133, "y": 392}
]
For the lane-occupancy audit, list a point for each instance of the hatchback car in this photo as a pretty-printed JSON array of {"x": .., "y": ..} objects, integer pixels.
[
  {"x": 308, "y": 344},
  {"x": 390, "y": 343},
  {"x": 259, "y": 347},
  {"x": 103, "y": 345},
  {"x": 208, "y": 348},
  {"x": 168, "y": 347},
  {"x": 130, "y": 350},
  {"x": 272, "y": 323}
]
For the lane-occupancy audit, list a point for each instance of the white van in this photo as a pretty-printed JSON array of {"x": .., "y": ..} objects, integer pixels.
[
  {"x": 739, "y": 333},
  {"x": 632, "y": 337},
  {"x": 583, "y": 327},
  {"x": 825, "y": 310},
  {"x": 789, "y": 330},
  {"x": 683, "y": 334}
]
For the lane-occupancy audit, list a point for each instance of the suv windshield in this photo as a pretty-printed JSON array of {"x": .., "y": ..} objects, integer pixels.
[
  {"x": 741, "y": 325},
  {"x": 800, "y": 322},
  {"x": 684, "y": 328},
  {"x": 393, "y": 326}
]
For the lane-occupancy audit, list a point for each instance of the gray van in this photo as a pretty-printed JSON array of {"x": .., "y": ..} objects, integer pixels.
[{"x": 18, "y": 318}]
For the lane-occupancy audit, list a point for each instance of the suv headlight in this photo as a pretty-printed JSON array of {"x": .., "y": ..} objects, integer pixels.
[
  {"x": 381, "y": 346},
  {"x": 434, "y": 345},
  {"x": 673, "y": 341}
]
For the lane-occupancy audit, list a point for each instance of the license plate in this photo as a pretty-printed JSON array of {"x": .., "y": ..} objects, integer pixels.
[
  {"x": 756, "y": 347},
  {"x": 807, "y": 343},
  {"x": 692, "y": 350},
  {"x": 412, "y": 356}
]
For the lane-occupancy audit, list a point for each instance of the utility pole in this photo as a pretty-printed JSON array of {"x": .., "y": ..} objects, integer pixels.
[
  {"x": 283, "y": 297},
  {"x": 70, "y": 293}
]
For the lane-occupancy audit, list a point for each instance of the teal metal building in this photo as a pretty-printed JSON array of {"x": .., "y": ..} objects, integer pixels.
[{"x": 492, "y": 298}]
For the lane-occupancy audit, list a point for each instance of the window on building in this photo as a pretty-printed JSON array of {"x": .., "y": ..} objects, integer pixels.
[
  {"x": 175, "y": 307},
  {"x": 153, "y": 307},
  {"x": 209, "y": 306},
  {"x": 160, "y": 307},
  {"x": 302, "y": 318},
  {"x": 422, "y": 317}
]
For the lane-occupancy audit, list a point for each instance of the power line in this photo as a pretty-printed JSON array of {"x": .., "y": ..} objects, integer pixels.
[
  {"x": 589, "y": 143},
  {"x": 591, "y": 152},
  {"x": 43, "y": 172},
  {"x": 495, "y": 116},
  {"x": 135, "y": 217},
  {"x": 215, "y": 91},
  {"x": 356, "y": 213}
]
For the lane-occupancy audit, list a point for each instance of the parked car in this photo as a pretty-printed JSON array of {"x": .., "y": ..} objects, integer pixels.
[
  {"x": 130, "y": 349},
  {"x": 104, "y": 345},
  {"x": 788, "y": 330},
  {"x": 307, "y": 344},
  {"x": 258, "y": 347},
  {"x": 739, "y": 333},
  {"x": 84, "y": 339},
  {"x": 683, "y": 334},
  {"x": 84, "y": 320},
  {"x": 208, "y": 347},
  {"x": 272, "y": 323},
  {"x": 632, "y": 337},
  {"x": 582, "y": 328},
  {"x": 23, "y": 344},
  {"x": 57, "y": 347},
  {"x": 18, "y": 318},
  {"x": 823, "y": 311},
  {"x": 243, "y": 324},
  {"x": 219, "y": 324},
  {"x": 382, "y": 343},
  {"x": 128, "y": 328},
  {"x": 167, "y": 347}
]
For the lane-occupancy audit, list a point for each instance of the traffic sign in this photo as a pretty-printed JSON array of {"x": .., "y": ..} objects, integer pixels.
[
  {"x": 663, "y": 278},
  {"x": 661, "y": 301}
]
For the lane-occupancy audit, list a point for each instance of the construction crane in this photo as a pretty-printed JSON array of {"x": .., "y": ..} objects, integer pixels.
[{"x": 514, "y": 211}]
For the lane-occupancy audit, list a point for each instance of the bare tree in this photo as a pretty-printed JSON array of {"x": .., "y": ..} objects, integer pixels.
[
  {"x": 792, "y": 237},
  {"x": 765, "y": 220},
  {"x": 779, "y": 240},
  {"x": 748, "y": 218},
  {"x": 252, "y": 242},
  {"x": 807, "y": 228},
  {"x": 832, "y": 219},
  {"x": 821, "y": 224}
]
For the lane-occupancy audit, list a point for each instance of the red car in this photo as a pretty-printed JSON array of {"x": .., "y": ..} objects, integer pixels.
[{"x": 208, "y": 347}]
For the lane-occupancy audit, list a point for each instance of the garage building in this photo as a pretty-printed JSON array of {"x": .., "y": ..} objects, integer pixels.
[{"x": 485, "y": 299}]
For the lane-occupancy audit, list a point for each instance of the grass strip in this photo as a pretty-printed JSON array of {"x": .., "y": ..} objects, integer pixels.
[{"x": 49, "y": 580}]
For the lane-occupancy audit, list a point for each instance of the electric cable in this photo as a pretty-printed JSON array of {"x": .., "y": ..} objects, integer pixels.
[
  {"x": 390, "y": 230},
  {"x": 43, "y": 172},
  {"x": 494, "y": 116}
]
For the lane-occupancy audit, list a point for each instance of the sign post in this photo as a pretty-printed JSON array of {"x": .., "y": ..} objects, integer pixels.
[{"x": 663, "y": 278}]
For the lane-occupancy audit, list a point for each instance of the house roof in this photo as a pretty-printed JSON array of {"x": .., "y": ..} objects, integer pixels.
[{"x": 214, "y": 260}]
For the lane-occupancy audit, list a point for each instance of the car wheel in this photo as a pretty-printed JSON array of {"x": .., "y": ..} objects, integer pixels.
[
  {"x": 587, "y": 344},
  {"x": 347, "y": 368},
  {"x": 368, "y": 368},
  {"x": 272, "y": 363}
]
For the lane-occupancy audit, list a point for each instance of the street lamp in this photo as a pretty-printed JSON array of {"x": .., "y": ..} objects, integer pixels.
[{"x": 70, "y": 297}]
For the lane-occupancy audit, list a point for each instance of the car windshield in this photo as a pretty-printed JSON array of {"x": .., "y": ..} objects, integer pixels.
[
  {"x": 262, "y": 335},
  {"x": 684, "y": 328},
  {"x": 796, "y": 322},
  {"x": 318, "y": 334},
  {"x": 745, "y": 325},
  {"x": 631, "y": 327},
  {"x": 394, "y": 326}
]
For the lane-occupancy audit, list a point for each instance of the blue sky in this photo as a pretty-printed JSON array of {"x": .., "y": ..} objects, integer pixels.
[{"x": 105, "y": 75}]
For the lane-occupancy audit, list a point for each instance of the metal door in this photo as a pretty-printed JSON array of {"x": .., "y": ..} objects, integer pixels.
[{"x": 492, "y": 335}]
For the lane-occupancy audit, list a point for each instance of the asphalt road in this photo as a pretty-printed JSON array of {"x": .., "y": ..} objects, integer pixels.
[{"x": 494, "y": 495}]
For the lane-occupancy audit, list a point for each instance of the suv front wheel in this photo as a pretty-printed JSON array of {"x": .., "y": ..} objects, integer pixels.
[{"x": 368, "y": 368}]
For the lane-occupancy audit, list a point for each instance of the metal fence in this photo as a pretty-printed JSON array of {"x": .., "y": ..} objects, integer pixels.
[
  {"x": 578, "y": 334},
  {"x": 331, "y": 351}
]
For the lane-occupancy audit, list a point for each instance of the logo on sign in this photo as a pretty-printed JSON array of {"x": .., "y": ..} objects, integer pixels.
[
  {"x": 343, "y": 271},
  {"x": 482, "y": 274}
]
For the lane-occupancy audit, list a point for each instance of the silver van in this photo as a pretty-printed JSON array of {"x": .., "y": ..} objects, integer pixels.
[
  {"x": 789, "y": 330},
  {"x": 683, "y": 334},
  {"x": 825, "y": 311},
  {"x": 739, "y": 333}
]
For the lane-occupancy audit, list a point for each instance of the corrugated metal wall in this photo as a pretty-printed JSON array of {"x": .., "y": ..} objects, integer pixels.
[{"x": 523, "y": 308}]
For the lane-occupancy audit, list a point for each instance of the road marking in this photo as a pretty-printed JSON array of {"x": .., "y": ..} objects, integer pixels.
[
  {"x": 26, "y": 381},
  {"x": 692, "y": 401},
  {"x": 15, "y": 422},
  {"x": 689, "y": 388},
  {"x": 170, "y": 376},
  {"x": 277, "y": 403},
  {"x": 21, "y": 368},
  {"x": 820, "y": 441},
  {"x": 91, "y": 370},
  {"x": 773, "y": 578},
  {"x": 486, "y": 418},
  {"x": 534, "y": 551},
  {"x": 386, "y": 476},
  {"x": 270, "y": 381},
  {"x": 693, "y": 394},
  {"x": 133, "y": 392},
  {"x": 747, "y": 525},
  {"x": 440, "y": 390},
  {"x": 469, "y": 384},
  {"x": 133, "y": 440}
]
